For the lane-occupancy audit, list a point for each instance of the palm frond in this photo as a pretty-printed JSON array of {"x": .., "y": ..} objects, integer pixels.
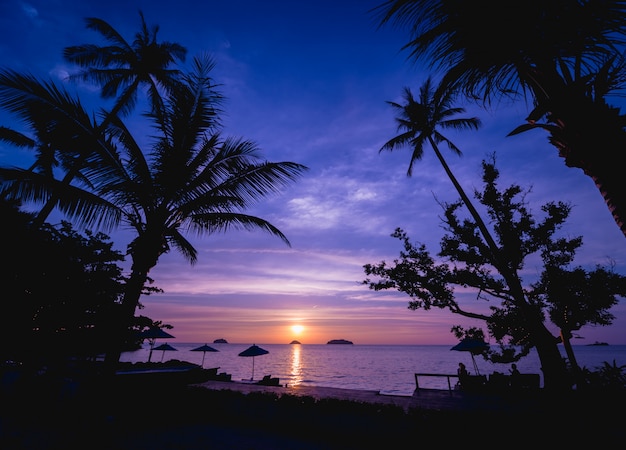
[
  {"x": 178, "y": 241},
  {"x": 221, "y": 222},
  {"x": 90, "y": 55},
  {"x": 108, "y": 32},
  {"x": 16, "y": 138},
  {"x": 87, "y": 209}
]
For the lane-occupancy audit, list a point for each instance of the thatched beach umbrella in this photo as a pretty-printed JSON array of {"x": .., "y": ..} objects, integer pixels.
[
  {"x": 204, "y": 348},
  {"x": 253, "y": 350}
]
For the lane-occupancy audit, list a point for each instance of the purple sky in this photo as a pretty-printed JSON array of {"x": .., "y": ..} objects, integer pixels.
[{"x": 308, "y": 82}]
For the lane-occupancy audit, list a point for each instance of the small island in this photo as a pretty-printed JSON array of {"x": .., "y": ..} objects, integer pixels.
[
  {"x": 294, "y": 342},
  {"x": 339, "y": 341},
  {"x": 220, "y": 341}
]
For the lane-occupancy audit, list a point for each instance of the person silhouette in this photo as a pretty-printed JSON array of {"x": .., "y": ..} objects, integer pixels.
[
  {"x": 515, "y": 377},
  {"x": 463, "y": 374}
]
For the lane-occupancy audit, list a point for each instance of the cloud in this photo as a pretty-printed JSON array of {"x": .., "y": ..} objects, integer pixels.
[{"x": 30, "y": 11}]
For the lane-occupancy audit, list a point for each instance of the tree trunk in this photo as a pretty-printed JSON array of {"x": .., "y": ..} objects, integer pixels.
[
  {"x": 552, "y": 364},
  {"x": 608, "y": 178},
  {"x": 576, "y": 372},
  {"x": 588, "y": 134},
  {"x": 123, "y": 323}
]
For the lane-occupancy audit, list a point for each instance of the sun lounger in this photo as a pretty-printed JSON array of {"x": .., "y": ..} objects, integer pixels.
[
  {"x": 267, "y": 380},
  {"x": 223, "y": 376}
]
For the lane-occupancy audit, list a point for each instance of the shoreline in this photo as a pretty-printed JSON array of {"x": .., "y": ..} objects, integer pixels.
[
  {"x": 427, "y": 399},
  {"x": 233, "y": 415}
]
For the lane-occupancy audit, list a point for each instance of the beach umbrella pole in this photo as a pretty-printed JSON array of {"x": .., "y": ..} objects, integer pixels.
[
  {"x": 204, "y": 348},
  {"x": 151, "y": 347},
  {"x": 475, "y": 365},
  {"x": 253, "y": 351}
]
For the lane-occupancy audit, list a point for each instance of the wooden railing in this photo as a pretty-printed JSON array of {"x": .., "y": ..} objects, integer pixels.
[
  {"x": 417, "y": 375},
  {"x": 496, "y": 382}
]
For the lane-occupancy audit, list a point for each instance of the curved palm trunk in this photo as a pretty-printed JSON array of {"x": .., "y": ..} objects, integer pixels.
[
  {"x": 569, "y": 350},
  {"x": 552, "y": 364},
  {"x": 479, "y": 221},
  {"x": 608, "y": 179},
  {"x": 144, "y": 259},
  {"x": 587, "y": 132},
  {"x": 123, "y": 321},
  {"x": 600, "y": 165}
]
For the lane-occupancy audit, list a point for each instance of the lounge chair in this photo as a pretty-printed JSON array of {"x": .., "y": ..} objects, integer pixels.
[
  {"x": 223, "y": 376},
  {"x": 267, "y": 380}
]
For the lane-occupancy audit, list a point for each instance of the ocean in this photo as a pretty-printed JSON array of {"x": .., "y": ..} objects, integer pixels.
[{"x": 389, "y": 369}]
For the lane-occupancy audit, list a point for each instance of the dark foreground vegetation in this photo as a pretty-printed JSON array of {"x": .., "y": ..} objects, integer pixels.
[{"x": 50, "y": 414}]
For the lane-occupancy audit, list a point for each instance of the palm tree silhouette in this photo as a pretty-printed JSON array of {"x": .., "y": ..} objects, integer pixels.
[
  {"x": 65, "y": 139},
  {"x": 191, "y": 179},
  {"x": 420, "y": 122},
  {"x": 564, "y": 56},
  {"x": 125, "y": 66},
  {"x": 119, "y": 66}
]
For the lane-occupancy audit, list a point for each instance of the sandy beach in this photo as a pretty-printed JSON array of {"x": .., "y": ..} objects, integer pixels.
[{"x": 222, "y": 415}]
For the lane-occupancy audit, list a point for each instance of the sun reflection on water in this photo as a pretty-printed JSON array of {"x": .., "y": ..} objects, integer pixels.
[{"x": 296, "y": 365}]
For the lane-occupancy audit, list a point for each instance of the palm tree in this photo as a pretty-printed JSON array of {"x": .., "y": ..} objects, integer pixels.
[
  {"x": 125, "y": 66},
  {"x": 66, "y": 141},
  {"x": 420, "y": 122},
  {"x": 557, "y": 53},
  {"x": 121, "y": 66},
  {"x": 191, "y": 179}
]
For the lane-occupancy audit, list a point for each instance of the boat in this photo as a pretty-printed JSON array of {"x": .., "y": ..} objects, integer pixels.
[
  {"x": 340, "y": 341},
  {"x": 599, "y": 343}
]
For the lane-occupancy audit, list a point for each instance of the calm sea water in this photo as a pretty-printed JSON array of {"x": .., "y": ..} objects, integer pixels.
[{"x": 386, "y": 368}]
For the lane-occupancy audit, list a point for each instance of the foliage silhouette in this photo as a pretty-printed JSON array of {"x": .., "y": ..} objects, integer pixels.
[
  {"x": 564, "y": 57},
  {"x": 516, "y": 324}
]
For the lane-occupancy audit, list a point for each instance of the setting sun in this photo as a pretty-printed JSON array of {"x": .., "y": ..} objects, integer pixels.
[{"x": 297, "y": 329}]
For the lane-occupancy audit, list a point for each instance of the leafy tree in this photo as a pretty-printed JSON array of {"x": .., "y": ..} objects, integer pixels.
[
  {"x": 565, "y": 56},
  {"x": 61, "y": 287},
  {"x": 517, "y": 324},
  {"x": 421, "y": 122},
  {"x": 577, "y": 297}
]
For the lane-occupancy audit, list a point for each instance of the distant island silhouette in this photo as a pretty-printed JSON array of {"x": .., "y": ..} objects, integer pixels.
[
  {"x": 339, "y": 341},
  {"x": 294, "y": 342},
  {"x": 220, "y": 341}
]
